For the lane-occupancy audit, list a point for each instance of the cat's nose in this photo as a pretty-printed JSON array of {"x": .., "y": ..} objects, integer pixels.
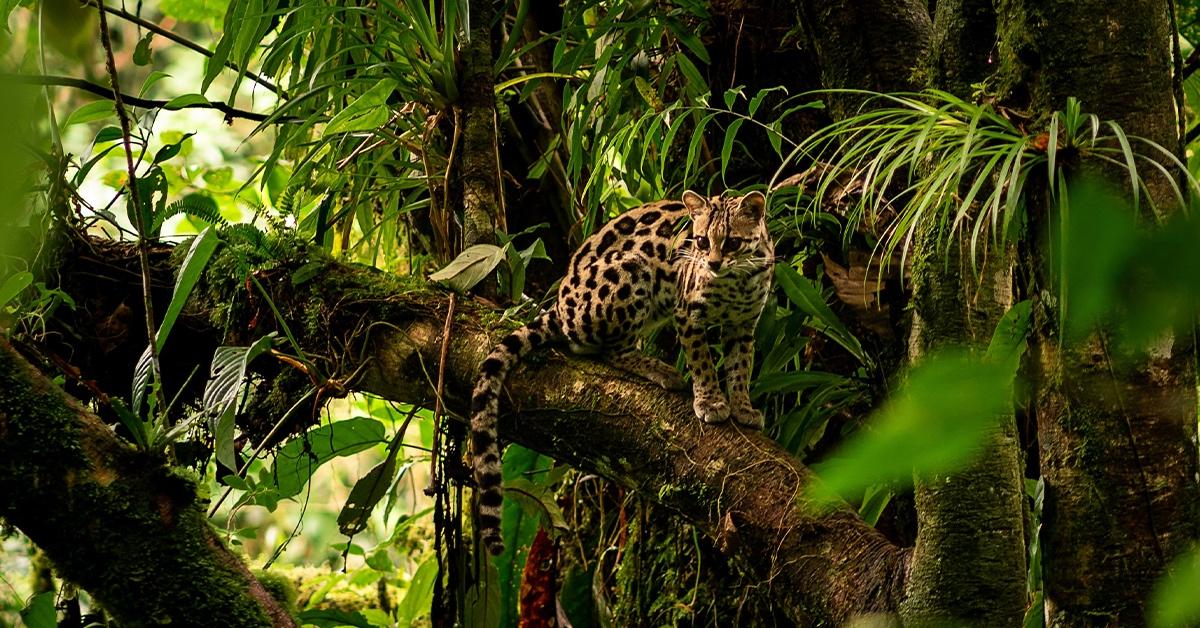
[{"x": 714, "y": 264}]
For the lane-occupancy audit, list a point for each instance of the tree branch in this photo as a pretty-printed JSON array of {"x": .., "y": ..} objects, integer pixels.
[
  {"x": 145, "y": 103},
  {"x": 183, "y": 41},
  {"x": 117, "y": 522},
  {"x": 739, "y": 488}
]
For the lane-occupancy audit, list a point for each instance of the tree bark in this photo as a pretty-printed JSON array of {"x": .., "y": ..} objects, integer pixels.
[
  {"x": 867, "y": 44},
  {"x": 117, "y": 522},
  {"x": 969, "y": 559},
  {"x": 480, "y": 177},
  {"x": 1117, "y": 446},
  {"x": 740, "y": 488}
]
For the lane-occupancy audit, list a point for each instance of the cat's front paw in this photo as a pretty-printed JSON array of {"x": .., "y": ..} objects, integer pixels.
[
  {"x": 748, "y": 417},
  {"x": 711, "y": 410}
]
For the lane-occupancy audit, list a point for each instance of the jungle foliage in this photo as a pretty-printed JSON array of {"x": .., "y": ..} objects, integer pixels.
[{"x": 244, "y": 135}]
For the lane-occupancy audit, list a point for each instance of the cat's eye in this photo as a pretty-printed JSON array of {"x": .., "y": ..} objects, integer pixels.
[
  {"x": 732, "y": 243},
  {"x": 702, "y": 242}
]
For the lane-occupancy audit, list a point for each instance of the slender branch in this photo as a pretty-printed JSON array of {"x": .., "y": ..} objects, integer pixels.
[
  {"x": 183, "y": 41},
  {"x": 138, "y": 219},
  {"x": 136, "y": 101}
]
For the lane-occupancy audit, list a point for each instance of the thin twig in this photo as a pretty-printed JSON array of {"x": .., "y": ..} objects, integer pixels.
[
  {"x": 146, "y": 103},
  {"x": 143, "y": 245},
  {"x": 183, "y": 41},
  {"x": 441, "y": 386}
]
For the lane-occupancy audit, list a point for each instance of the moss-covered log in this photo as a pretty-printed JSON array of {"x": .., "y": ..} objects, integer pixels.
[{"x": 119, "y": 523}]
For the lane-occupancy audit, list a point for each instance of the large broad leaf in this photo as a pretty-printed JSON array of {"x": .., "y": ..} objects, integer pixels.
[
  {"x": 419, "y": 598},
  {"x": 470, "y": 267},
  {"x": 367, "y": 492},
  {"x": 300, "y": 457},
  {"x": 805, "y": 294},
  {"x": 367, "y": 113},
  {"x": 517, "y": 528},
  {"x": 935, "y": 424},
  {"x": 39, "y": 612},
  {"x": 484, "y": 609},
  {"x": 223, "y": 394}
]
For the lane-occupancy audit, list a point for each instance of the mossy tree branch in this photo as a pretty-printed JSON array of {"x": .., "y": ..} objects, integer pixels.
[
  {"x": 117, "y": 522},
  {"x": 739, "y": 488}
]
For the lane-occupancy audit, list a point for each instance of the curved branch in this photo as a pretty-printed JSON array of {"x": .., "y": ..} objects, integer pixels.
[{"x": 136, "y": 101}]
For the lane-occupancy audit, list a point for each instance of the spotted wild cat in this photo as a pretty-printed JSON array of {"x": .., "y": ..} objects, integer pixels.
[{"x": 640, "y": 270}]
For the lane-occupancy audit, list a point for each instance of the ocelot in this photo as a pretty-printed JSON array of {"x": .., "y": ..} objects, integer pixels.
[{"x": 637, "y": 272}]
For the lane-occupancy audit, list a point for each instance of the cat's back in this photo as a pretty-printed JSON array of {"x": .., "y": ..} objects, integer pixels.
[{"x": 646, "y": 231}]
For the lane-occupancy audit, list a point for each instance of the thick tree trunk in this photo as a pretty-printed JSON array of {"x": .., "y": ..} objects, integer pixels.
[
  {"x": 118, "y": 523},
  {"x": 1118, "y": 445},
  {"x": 867, "y": 44},
  {"x": 969, "y": 560}
]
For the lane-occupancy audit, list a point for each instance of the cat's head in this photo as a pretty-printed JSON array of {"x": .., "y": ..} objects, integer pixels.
[{"x": 728, "y": 230}]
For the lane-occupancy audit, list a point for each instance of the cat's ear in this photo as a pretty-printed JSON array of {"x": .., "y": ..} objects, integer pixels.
[
  {"x": 694, "y": 202},
  {"x": 754, "y": 205}
]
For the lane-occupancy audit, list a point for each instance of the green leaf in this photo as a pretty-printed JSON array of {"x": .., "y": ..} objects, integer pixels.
[
  {"x": 301, "y": 456},
  {"x": 224, "y": 393},
  {"x": 91, "y": 112},
  {"x": 1010, "y": 339},
  {"x": 186, "y": 100},
  {"x": 6, "y": 9},
  {"x": 13, "y": 286},
  {"x": 367, "y": 492},
  {"x": 199, "y": 253},
  {"x": 807, "y": 296},
  {"x": 727, "y": 145},
  {"x": 1174, "y": 601},
  {"x": 190, "y": 271},
  {"x": 39, "y": 612},
  {"x": 418, "y": 599},
  {"x": 517, "y": 529},
  {"x": 194, "y": 10},
  {"x": 170, "y": 150},
  {"x": 107, "y": 134},
  {"x": 366, "y": 113},
  {"x": 470, "y": 267},
  {"x": 151, "y": 79},
  {"x": 576, "y": 597},
  {"x": 537, "y": 500},
  {"x": 875, "y": 499},
  {"x": 484, "y": 609},
  {"x": 935, "y": 424},
  {"x": 142, "y": 52},
  {"x": 332, "y": 618}
]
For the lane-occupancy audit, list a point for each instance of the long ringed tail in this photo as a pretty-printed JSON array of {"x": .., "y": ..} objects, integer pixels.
[{"x": 485, "y": 410}]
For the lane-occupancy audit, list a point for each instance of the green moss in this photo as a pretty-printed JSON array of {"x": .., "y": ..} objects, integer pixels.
[
  {"x": 114, "y": 521},
  {"x": 280, "y": 587}
]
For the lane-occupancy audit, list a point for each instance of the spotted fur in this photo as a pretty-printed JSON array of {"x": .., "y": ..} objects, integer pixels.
[{"x": 642, "y": 269}]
